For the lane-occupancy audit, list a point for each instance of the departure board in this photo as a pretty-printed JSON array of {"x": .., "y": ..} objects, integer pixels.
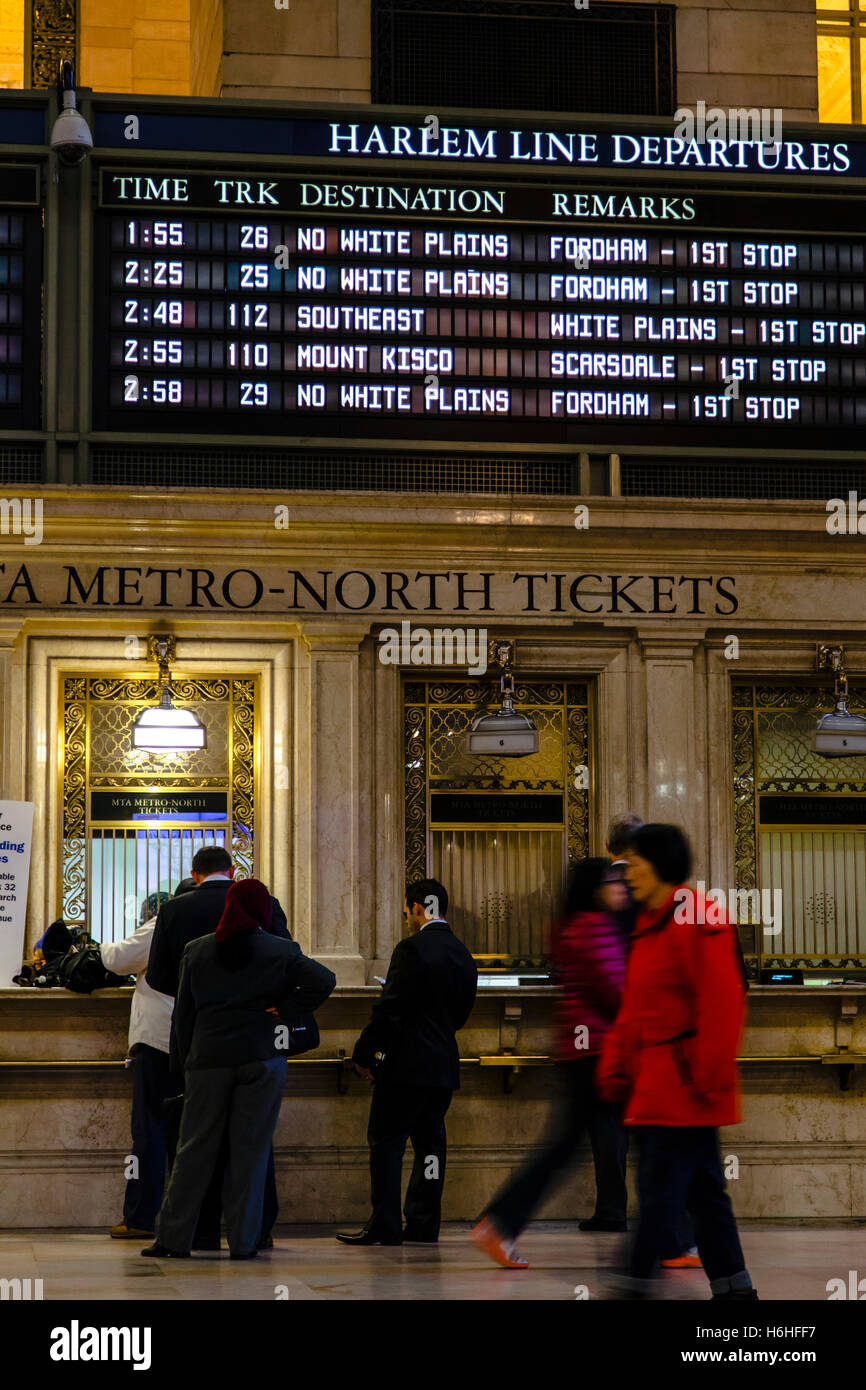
[
  {"x": 517, "y": 315},
  {"x": 20, "y": 298}
]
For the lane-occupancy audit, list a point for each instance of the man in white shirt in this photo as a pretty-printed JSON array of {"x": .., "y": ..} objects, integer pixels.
[{"x": 149, "y": 1033}]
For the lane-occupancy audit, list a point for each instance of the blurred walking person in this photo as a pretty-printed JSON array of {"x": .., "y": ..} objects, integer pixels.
[
  {"x": 671, "y": 1059},
  {"x": 619, "y": 834},
  {"x": 589, "y": 954},
  {"x": 234, "y": 1069},
  {"x": 680, "y": 1250},
  {"x": 607, "y": 1136}
]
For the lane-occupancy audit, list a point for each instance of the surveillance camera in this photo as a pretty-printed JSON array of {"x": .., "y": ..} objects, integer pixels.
[{"x": 71, "y": 139}]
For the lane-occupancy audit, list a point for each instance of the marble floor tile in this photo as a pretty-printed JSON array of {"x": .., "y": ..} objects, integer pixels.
[{"x": 786, "y": 1263}]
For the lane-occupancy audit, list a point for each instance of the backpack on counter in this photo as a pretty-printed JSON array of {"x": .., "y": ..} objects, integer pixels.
[{"x": 82, "y": 970}]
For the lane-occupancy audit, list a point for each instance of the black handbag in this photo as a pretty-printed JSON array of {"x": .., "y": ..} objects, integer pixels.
[
  {"x": 82, "y": 970},
  {"x": 303, "y": 1035}
]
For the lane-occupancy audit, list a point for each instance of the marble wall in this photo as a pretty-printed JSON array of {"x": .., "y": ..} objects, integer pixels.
[
  {"x": 139, "y": 46},
  {"x": 758, "y": 53},
  {"x": 331, "y": 766},
  {"x": 312, "y": 50},
  {"x": 331, "y": 781},
  {"x": 800, "y": 1152},
  {"x": 205, "y": 48}
]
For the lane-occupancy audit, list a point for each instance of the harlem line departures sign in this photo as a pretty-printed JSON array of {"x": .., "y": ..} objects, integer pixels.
[{"x": 338, "y": 304}]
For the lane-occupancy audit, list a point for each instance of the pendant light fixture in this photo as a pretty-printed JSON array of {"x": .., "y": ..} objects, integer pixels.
[
  {"x": 506, "y": 733},
  {"x": 162, "y": 728},
  {"x": 840, "y": 734}
]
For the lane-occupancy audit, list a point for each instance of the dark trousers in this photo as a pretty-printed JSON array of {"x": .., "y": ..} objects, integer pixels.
[
  {"x": 578, "y": 1111},
  {"x": 243, "y": 1103},
  {"x": 398, "y": 1113},
  {"x": 680, "y": 1169},
  {"x": 210, "y": 1217},
  {"x": 151, "y": 1084}
]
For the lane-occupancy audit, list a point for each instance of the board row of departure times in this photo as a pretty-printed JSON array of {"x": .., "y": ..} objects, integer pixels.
[
  {"x": 471, "y": 245},
  {"x": 197, "y": 320},
  {"x": 600, "y": 400},
  {"x": 509, "y": 364},
  {"x": 133, "y": 274},
  {"x": 339, "y": 323}
]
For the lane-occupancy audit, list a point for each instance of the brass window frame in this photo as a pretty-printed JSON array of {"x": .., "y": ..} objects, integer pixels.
[
  {"x": 74, "y": 784},
  {"x": 578, "y": 750}
]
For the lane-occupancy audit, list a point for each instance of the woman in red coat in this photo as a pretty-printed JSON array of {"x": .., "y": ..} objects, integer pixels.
[
  {"x": 589, "y": 951},
  {"x": 670, "y": 1058}
]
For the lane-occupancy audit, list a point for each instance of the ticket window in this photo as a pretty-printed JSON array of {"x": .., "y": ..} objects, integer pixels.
[
  {"x": 799, "y": 833},
  {"x": 132, "y": 868},
  {"x": 133, "y": 819},
  {"x": 817, "y": 879},
  {"x": 505, "y": 885},
  {"x": 499, "y": 833}
]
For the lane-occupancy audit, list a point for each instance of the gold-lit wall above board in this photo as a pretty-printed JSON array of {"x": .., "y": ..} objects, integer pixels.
[{"x": 140, "y": 46}]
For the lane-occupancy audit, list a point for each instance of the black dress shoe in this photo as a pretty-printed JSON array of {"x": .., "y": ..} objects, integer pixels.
[
  {"x": 250, "y": 1255},
  {"x": 595, "y": 1224},
  {"x": 365, "y": 1238},
  {"x": 266, "y": 1243},
  {"x": 409, "y": 1238},
  {"x": 162, "y": 1252}
]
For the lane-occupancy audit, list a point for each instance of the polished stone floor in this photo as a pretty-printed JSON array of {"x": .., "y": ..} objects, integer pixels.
[{"x": 785, "y": 1263}]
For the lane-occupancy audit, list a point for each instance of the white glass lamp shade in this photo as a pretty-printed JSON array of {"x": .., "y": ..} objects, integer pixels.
[
  {"x": 505, "y": 733},
  {"x": 163, "y": 729}
]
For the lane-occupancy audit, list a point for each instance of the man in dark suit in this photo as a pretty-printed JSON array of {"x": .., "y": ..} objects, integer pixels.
[
  {"x": 181, "y": 920},
  {"x": 197, "y": 913},
  {"x": 409, "y": 1051}
]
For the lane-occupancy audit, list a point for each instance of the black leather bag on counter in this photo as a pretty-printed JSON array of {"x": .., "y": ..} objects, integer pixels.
[{"x": 82, "y": 970}]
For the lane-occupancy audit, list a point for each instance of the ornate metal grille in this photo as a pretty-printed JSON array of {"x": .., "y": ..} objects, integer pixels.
[
  {"x": 513, "y": 873},
  {"x": 98, "y": 755},
  {"x": 53, "y": 34},
  {"x": 772, "y": 753}
]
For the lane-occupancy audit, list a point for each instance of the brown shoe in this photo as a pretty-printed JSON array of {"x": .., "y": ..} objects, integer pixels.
[{"x": 123, "y": 1232}]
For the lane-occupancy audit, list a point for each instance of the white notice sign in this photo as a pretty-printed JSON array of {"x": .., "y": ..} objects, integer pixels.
[{"x": 16, "y": 833}]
